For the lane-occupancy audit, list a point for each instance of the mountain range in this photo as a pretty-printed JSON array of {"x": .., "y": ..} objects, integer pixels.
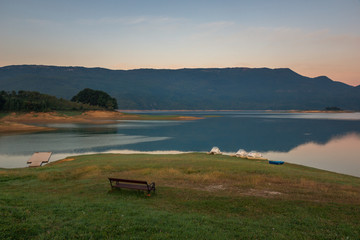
[{"x": 202, "y": 88}]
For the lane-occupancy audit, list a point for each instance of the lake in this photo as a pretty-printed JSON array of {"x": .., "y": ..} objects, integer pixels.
[{"x": 329, "y": 141}]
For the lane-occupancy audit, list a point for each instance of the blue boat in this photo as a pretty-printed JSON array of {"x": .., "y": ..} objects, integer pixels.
[{"x": 276, "y": 162}]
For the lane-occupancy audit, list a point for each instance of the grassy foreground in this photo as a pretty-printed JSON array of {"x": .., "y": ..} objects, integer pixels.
[{"x": 198, "y": 196}]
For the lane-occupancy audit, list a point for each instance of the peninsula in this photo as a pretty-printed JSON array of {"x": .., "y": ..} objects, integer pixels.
[{"x": 24, "y": 122}]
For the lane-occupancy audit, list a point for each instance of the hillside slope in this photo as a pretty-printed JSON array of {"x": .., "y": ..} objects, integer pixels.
[{"x": 227, "y": 88}]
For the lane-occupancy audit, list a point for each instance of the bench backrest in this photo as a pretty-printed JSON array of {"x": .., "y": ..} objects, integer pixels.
[{"x": 128, "y": 181}]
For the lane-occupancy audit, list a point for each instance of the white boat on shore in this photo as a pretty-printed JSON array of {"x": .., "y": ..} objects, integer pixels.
[
  {"x": 241, "y": 153},
  {"x": 255, "y": 155},
  {"x": 215, "y": 150}
]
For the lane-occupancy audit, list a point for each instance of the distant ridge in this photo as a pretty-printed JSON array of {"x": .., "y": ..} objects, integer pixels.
[{"x": 198, "y": 88}]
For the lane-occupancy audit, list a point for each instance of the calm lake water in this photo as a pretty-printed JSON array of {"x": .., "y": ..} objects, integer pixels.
[{"x": 329, "y": 141}]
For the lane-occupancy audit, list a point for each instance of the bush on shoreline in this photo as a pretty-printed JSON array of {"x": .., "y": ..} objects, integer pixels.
[{"x": 95, "y": 98}]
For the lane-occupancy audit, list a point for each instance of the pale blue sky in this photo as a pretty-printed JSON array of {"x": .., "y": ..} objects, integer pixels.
[{"x": 311, "y": 37}]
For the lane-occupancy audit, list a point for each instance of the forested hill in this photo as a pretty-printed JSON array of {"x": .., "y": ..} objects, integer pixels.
[{"x": 227, "y": 88}]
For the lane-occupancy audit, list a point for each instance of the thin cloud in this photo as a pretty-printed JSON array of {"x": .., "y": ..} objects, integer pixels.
[
  {"x": 41, "y": 22},
  {"x": 130, "y": 20},
  {"x": 217, "y": 24}
]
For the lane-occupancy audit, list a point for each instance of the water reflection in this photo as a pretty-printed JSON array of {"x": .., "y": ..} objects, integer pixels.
[
  {"x": 260, "y": 113},
  {"x": 327, "y": 116},
  {"x": 61, "y": 142},
  {"x": 340, "y": 154},
  {"x": 232, "y": 132}
]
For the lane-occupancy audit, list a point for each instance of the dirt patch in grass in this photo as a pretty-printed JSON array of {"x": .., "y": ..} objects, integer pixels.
[
  {"x": 261, "y": 193},
  {"x": 213, "y": 188}
]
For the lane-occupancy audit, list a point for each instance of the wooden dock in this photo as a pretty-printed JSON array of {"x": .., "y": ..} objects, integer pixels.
[{"x": 39, "y": 158}]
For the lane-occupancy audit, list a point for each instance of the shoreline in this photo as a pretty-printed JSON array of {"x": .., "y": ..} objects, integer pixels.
[
  {"x": 23, "y": 122},
  {"x": 239, "y": 110},
  {"x": 57, "y": 158}
]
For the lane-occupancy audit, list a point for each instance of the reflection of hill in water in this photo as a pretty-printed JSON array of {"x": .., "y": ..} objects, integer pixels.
[
  {"x": 250, "y": 133},
  {"x": 259, "y": 132},
  {"x": 340, "y": 154}
]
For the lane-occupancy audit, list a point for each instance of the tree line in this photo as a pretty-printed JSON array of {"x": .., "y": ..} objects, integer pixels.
[{"x": 26, "y": 101}]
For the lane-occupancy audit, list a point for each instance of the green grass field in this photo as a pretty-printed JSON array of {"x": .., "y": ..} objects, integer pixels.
[{"x": 198, "y": 196}]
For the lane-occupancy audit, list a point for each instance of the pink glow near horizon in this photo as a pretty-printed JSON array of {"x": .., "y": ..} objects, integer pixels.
[{"x": 328, "y": 156}]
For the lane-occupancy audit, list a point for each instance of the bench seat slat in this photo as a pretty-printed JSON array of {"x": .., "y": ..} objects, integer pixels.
[
  {"x": 131, "y": 186},
  {"x": 127, "y": 180}
]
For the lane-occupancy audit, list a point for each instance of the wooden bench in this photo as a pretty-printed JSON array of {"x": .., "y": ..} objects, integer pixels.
[{"x": 132, "y": 184}]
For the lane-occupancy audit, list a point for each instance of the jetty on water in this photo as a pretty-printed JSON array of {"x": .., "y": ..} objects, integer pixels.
[{"x": 39, "y": 158}]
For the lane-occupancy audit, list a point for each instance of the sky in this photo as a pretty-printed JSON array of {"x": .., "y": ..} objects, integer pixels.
[{"x": 312, "y": 37}]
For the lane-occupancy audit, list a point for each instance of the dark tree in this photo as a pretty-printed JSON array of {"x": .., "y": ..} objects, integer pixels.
[
  {"x": 95, "y": 98},
  {"x": 2, "y": 102},
  {"x": 26, "y": 101}
]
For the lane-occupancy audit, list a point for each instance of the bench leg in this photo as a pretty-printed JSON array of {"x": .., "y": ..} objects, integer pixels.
[{"x": 152, "y": 187}]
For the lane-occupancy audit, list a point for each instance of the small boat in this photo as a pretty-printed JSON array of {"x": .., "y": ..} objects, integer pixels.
[
  {"x": 255, "y": 155},
  {"x": 215, "y": 150},
  {"x": 241, "y": 153},
  {"x": 276, "y": 162}
]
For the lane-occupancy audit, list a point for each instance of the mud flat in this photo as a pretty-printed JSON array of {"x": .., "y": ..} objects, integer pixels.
[{"x": 24, "y": 122}]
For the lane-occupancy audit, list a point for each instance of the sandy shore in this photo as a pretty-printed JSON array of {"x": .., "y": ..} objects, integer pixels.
[
  {"x": 23, "y": 122},
  {"x": 13, "y": 127}
]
